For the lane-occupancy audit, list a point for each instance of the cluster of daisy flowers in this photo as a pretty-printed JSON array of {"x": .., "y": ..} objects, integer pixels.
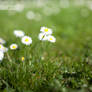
[
  {"x": 46, "y": 35},
  {"x": 24, "y": 39}
]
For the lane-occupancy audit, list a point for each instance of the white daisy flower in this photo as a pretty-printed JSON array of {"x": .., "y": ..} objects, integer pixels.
[
  {"x": 1, "y": 55},
  {"x": 51, "y": 39},
  {"x": 13, "y": 46},
  {"x": 42, "y": 37},
  {"x": 26, "y": 40},
  {"x": 2, "y": 41},
  {"x": 19, "y": 33},
  {"x": 46, "y": 30},
  {"x": 3, "y": 49}
]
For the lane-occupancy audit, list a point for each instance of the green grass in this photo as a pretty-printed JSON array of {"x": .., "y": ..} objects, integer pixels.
[{"x": 67, "y": 64}]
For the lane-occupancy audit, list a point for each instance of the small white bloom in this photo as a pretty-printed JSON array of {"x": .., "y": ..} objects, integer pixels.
[
  {"x": 42, "y": 37},
  {"x": 19, "y": 7},
  {"x": 51, "y": 39},
  {"x": 13, "y": 46},
  {"x": 46, "y": 30},
  {"x": 2, "y": 41},
  {"x": 1, "y": 55},
  {"x": 19, "y": 33},
  {"x": 26, "y": 40},
  {"x": 30, "y": 15}
]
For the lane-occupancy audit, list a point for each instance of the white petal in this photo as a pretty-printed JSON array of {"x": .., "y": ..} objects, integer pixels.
[{"x": 1, "y": 55}]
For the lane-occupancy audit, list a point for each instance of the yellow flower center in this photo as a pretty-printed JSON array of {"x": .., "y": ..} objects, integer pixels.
[
  {"x": 46, "y": 30},
  {"x": 19, "y": 32},
  {"x": 22, "y": 58},
  {"x": 26, "y": 40},
  {"x": 51, "y": 39},
  {"x": 0, "y": 46},
  {"x": 14, "y": 47}
]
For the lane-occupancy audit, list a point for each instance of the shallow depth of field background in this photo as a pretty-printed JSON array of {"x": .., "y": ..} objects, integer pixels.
[{"x": 64, "y": 66}]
